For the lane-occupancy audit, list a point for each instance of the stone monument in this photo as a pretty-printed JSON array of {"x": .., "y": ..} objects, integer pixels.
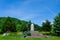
[
  {"x": 32, "y": 27},
  {"x": 35, "y": 34}
]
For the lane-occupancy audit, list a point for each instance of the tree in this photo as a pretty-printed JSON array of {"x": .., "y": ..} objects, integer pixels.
[
  {"x": 46, "y": 26},
  {"x": 9, "y": 25},
  {"x": 29, "y": 25},
  {"x": 23, "y": 27},
  {"x": 37, "y": 27},
  {"x": 18, "y": 26},
  {"x": 14, "y": 24},
  {"x": 57, "y": 25}
]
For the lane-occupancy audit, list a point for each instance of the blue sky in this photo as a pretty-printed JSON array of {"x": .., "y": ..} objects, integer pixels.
[{"x": 35, "y": 10}]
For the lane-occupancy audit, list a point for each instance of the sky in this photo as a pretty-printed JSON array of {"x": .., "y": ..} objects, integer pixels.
[{"x": 35, "y": 10}]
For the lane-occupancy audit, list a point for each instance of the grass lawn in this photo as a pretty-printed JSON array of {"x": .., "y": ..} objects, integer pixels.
[
  {"x": 10, "y": 38},
  {"x": 7, "y": 38},
  {"x": 57, "y": 38}
]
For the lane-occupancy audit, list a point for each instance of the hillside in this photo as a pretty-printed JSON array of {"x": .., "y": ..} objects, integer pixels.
[{"x": 17, "y": 22}]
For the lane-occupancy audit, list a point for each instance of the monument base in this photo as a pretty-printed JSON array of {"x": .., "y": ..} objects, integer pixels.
[{"x": 36, "y": 34}]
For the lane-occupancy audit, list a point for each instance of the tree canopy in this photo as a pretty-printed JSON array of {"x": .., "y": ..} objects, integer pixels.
[
  {"x": 46, "y": 26},
  {"x": 57, "y": 25},
  {"x": 14, "y": 24}
]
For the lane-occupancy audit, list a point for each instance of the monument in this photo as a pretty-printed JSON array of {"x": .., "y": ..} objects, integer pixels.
[
  {"x": 32, "y": 27},
  {"x": 35, "y": 34}
]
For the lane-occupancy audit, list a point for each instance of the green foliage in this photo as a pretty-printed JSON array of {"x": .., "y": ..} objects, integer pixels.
[
  {"x": 37, "y": 27},
  {"x": 23, "y": 27},
  {"x": 14, "y": 24},
  {"x": 29, "y": 24},
  {"x": 18, "y": 27},
  {"x": 8, "y": 25},
  {"x": 27, "y": 33},
  {"x": 57, "y": 25},
  {"x": 46, "y": 26}
]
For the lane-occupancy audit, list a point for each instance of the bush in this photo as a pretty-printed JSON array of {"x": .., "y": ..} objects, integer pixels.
[{"x": 27, "y": 33}]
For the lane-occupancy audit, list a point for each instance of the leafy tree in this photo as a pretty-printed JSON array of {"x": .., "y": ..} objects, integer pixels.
[
  {"x": 14, "y": 24},
  {"x": 46, "y": 26},
  {"x": 37, "y": 27},
  {"x": 9, "y": 25},
  {"x": 29, "y": 25},
  {"x": 18, "y": 26},
  {"x": 57, "y": 25},
  {"x": 23, "y": 27}
]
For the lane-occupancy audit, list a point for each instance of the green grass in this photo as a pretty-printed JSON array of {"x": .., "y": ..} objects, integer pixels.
[
  {"x": 56, "y": 38},
  {"x": 46, "y": 33},
  {"x": 15, "y": 34},
  {"x": 9, "y": 38}
]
